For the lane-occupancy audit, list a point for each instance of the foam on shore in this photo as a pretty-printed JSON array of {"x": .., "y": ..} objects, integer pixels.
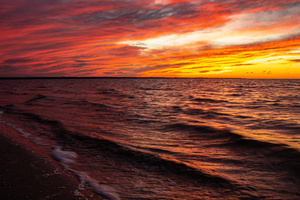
[
  {"x": 25, "y": 171},
  {"x": 25, "y": 175},
  {"x": 65, "y": 158}
]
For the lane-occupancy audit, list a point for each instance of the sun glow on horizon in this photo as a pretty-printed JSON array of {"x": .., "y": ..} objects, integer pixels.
[{"x": 174, "y": 38}]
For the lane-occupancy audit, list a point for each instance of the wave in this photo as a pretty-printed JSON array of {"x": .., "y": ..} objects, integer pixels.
[
  {"x": 113, "y": 92},
  {"x": 162, "y": 89},
  {"x": 9, "y": 92},
  {"x": 56, "y": 127},
  {"x": 282, "y": 155},
  {"x": 289, "y": 127},
  {"x": 107, "y": 91},
  {"x": 88, "y": 103},
  {"x": 229, "y": 138},
  {"x": 190, "y": 128},
  {"x": 112, "y": 149},
  {"x": 35, "y": 98},
  {"x": 148, "y": 158},
  {"x": 156, "y": 150},
  {"x": 204, "y": 113},
  {"x": 154, "y": 161},
  {"x": 103, "y": 190},
  {"x": 208, "y": 100},
  {"x": 68, "y": 102},
  {"x": 65, "y": 158}
]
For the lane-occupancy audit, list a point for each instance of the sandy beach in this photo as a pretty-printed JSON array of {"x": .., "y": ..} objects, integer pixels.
[{"x": 25, "y": 175}]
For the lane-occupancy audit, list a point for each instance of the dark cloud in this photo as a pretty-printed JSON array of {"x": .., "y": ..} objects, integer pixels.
[
  {"x": 204, "y": 71},
  {"x": 109, "y": 73},
  {"x": 50, "y": 69},
  {"x": 161, "y": 66},
  {"x": 52, "y": 74},
  {"x": 200, "y": 67},
  {"x": 244, "y": 64},
  {"x": 125, "y": 51},
  {"x": 17, "y": 60},
  {"x": 80, "y": 63},
  {"x": 86, "y": 72},
  {"x": 173, "y": 10},
  {"x": 295, "y": 60},
  {"x": 7, "y": 68},
  {"x": 217, "y": 70}
]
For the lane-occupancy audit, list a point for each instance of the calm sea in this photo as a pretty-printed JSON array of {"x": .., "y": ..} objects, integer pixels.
[{"x": 165, "y": 138}]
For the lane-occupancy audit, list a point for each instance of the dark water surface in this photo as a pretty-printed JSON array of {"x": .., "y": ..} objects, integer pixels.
[{"x": 166, "y": 138}]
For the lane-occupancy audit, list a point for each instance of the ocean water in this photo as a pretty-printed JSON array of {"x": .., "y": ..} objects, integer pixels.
[{"x": 165, "y": 138}]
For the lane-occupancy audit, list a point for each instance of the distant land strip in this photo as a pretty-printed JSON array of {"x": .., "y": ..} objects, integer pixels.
[{"x": 112, "y": 77}]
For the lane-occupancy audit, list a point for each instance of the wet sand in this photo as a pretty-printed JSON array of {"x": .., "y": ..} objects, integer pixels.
[{"x": 25, "y": 175}]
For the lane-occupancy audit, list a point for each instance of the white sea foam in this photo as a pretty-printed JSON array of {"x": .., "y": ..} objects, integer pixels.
[
  {"x": 103, "y": 190},
  {"x": 64, "y": 157},
  {"x": 68, "y": 157},
  {"x": 22, "y": 133},
  {"x": 37, "y": 141}
]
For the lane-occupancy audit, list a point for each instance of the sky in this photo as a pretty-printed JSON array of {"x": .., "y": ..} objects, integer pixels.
[{"x": 150, "y": 38}]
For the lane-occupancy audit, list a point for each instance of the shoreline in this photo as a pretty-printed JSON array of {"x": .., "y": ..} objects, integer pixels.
[{"x": 25, "y": 174}]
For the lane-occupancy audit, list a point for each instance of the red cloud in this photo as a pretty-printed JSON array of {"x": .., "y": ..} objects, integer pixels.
[{"x": 84, "y": 38}]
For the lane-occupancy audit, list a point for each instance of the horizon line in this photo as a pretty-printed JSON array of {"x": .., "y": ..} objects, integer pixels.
[{"x": 118, "y": 77}]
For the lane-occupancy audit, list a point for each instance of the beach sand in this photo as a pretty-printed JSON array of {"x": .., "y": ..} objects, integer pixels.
[{"x": 26, "y": 175}]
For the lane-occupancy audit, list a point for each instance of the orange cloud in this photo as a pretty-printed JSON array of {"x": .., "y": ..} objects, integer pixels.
[{"x": 150, "y": 38}]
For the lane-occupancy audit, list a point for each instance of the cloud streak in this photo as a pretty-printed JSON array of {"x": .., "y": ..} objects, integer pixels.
[{"x": 148, "y": 38}]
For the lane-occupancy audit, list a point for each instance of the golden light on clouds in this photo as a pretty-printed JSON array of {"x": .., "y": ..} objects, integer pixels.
[{"x": 174, "y": 38}]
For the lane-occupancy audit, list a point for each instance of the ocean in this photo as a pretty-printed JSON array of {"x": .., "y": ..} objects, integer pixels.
[{"x": 156, "y": 138}]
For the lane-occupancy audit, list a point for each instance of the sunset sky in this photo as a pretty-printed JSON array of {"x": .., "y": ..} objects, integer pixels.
[{"x": 140, "y": 38}]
